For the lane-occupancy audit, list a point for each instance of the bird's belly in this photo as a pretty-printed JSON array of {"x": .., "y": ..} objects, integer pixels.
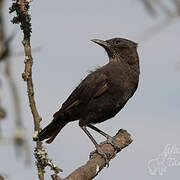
[
  {"x": 101, "y": 110},
  {"x": 98, "y": 117}
]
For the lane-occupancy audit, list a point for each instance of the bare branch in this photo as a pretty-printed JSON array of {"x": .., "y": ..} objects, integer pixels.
[
  {"x": 21, "y": 7},
  {"x": 2, "y": 112},
  {"x": 177, "y": 4},
  {"x": 19, "y": 137},
  {"x": 14, "y": 92},
  {"x": 2, "y": 50},
  {"x": 149, "y": 6},
  {"x": 23, "y": 18},
  {"x": 17, "y": 54},
  {"x": 157, "y": 28},
  {"x": 96, "y": 163}
]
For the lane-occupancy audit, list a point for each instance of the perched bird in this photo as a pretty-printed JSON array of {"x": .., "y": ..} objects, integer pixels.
[{"x": 102, "y": 94}]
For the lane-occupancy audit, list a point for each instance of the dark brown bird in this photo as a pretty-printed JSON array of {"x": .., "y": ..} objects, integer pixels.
[{"x": 102, "y": 94}]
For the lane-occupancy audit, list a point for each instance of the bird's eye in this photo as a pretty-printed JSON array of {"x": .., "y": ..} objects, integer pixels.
[{"x": 118, "y": 42}]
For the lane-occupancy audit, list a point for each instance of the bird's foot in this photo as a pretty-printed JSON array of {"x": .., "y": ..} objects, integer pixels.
[
  {"x": 104, "y": 155},
  {"x": 113, "y": 142}
]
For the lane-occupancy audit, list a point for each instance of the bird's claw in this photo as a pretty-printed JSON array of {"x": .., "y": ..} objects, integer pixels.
[
  {"x": 104, "y": 155},
  {"x": 113, "y": 142}
]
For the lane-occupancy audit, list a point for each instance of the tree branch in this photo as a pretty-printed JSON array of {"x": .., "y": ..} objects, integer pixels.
[
  {"x": 18, "y": 138},
  {"x": 2, "y": 50},
  {"x": 96, "y": 163},
  {"x": 21, "y": 7}
]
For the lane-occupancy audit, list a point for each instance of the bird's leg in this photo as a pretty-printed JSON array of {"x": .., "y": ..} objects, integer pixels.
[
  {"x": 98, "y": 148},
  {"x": 110, "y": 139}
]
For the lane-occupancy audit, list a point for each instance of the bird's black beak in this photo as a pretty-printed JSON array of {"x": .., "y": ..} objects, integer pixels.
[{"x": 100, "y": 42}]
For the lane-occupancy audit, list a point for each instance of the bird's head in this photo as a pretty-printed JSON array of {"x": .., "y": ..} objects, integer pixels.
[{"x": 118, "y": 48}]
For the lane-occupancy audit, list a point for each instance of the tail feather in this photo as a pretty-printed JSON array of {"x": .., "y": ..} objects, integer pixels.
[
  {"x": 51, "y": 130},
  {"x": 50, "y": 140}
]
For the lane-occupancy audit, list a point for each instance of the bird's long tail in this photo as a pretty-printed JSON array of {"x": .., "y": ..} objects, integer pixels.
[{"x": 52, "y": 130}]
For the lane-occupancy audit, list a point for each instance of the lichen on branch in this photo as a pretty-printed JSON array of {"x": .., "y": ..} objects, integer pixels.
[{"x": 21, "y": 7}]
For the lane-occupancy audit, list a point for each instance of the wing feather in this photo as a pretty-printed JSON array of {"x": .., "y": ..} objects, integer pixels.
[{"x": 92, "y": 86}]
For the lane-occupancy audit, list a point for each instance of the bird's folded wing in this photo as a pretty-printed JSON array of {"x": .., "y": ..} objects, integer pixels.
[
  {"x": 75, "y": 103},
  {"x": 101, "y": 90},
  {"x": 92, "y": 86}
]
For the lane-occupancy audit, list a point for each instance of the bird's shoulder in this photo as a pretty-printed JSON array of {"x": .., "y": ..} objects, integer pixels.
[{"x": 92, "y": 86}]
